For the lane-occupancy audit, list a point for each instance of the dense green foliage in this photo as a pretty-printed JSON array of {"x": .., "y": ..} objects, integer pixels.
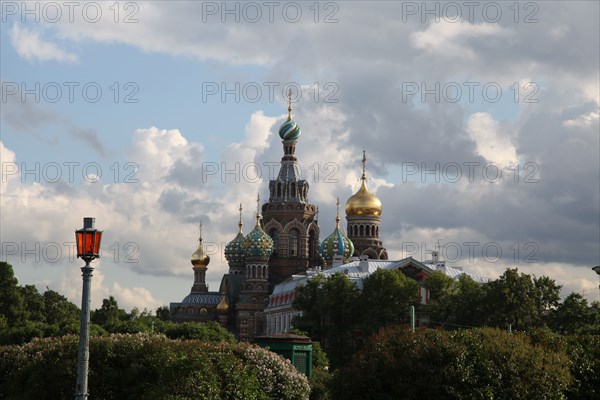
[
  {"x": 26, "y": 314},
  {"x": 436, "y": 364},
  {"x": 557, "y": 357},
  {"x": 149, "y": 367},
  {"x": 517, "y": 300},
  {"x": 341, "y": 317}
]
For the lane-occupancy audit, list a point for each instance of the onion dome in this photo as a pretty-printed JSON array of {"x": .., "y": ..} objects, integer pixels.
[
  {"x": 223, "y": 306},
  {"x": 289, "y": 130},
  {"x": 337, "y": 243},
  {"x": 257, "y": 243},
  {"x": 363, "y": 202},
  {"x": 234, "y": 251},
  {"x": 200, "y": 259}
]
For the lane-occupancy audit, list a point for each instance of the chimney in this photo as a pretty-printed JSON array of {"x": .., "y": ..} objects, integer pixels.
[
  {"x": 337, "y": 261},
  {"x": 363, "y": 263}
]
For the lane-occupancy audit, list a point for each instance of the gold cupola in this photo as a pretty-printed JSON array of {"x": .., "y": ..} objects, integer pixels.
[
  {"x": 363, "y": 202},
  {"x": 200, "y": 259}
]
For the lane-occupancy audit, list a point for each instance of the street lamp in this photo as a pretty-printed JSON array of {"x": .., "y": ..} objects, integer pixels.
[
  {"x": 88, "y": 248},
  {"x": 597, "y": 270}
]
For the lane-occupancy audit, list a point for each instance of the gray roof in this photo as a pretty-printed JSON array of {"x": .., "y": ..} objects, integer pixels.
[{"x": 205, "y": 299}]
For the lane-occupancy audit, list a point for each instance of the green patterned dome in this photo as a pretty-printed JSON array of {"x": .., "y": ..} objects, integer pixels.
[
  {"x": 257, "y": 243},
  {"x": 234, "y": 251},
  {"x": 337, "y": 244},
  {"x": 289, "y": 130}
]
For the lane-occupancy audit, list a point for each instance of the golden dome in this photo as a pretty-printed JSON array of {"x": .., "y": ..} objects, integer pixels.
[
  {"x": 363, "y": 202},
  {"x": 223, "y": 306},
  {"x": 199, "y": 258}
]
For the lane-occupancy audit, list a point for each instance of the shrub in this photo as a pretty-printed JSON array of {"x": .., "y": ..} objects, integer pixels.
[
  {"x": 149, "y": 367},
  {"x": 435, "y": 364}
]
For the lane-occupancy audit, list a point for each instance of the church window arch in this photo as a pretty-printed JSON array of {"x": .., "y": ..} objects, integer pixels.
[
  {"x": 275, "y": 236},
  {"x": 294, "y": 243}
]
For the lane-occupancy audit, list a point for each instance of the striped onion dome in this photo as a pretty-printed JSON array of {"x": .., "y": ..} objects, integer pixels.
[
  {"x": 289, "y": 130},
  {"x": 234, "y": 251},
  {"x": 337, "y": 243}
]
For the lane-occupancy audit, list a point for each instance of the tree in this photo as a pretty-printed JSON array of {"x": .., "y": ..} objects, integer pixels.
[
  {"x": 58, "y": 309},
  {"x": 109, "y": 315},
  {"x": 386, "y": 298},
  {"x": 513, "y": 299},
  {"x": 329, "y": 313},
  {"x": 33, "y": 303},
  {"x": 209, "y": 331},
  {"x": 433, "y": 364},
  {"x": 163, "y": 313},
  {"x": 441, "y": 288},
  {"x": 572, "y": 315},
  {"x": 11, "y": 298},
  {"x": 468, "y": 302}
]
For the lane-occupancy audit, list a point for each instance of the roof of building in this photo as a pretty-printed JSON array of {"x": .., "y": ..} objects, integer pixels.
[
  {"x": 206, "y": 299},
  {"x": 358, "y": 270}
]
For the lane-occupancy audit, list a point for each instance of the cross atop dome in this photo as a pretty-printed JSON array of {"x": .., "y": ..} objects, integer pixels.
[{"x": 289, "y": 104}]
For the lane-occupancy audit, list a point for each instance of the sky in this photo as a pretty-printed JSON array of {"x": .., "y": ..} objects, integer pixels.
[{"x": 479, "y": 121}]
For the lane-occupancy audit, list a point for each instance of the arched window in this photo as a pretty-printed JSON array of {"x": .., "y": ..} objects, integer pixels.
[
  {"x": 275, "y": 236},
  {"x": 312, "y": 244},
  {"x": 293, "y": 243},
  {"x": 361, "y": 230},
  {"x": 293, "y": 189},
  {"x": 278, "y": 189}
]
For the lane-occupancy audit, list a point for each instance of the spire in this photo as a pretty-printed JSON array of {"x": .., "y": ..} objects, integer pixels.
[
  {"x": 289, "y": 118},
  {"x": 337, "y": 213},
  {"x": 289, "y": 130},
  {"x": 200, "y": 231},
  {"x": 364, "y": 162},
  {"x": 240, "y": 224},
  {"x": 258, "y": 210}
]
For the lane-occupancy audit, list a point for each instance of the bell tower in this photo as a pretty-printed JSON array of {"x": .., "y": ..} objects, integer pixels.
[{"x": 289, "y": 219}]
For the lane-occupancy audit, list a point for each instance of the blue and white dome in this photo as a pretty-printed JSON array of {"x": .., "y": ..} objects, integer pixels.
[
  {"x": 337, "y": 244},
  {"x": 289, "y": 130}
]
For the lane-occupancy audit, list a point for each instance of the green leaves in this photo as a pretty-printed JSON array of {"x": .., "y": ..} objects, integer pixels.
[
  {"x": 436, "y": 364},
  {"x": 149, "y": 367}
]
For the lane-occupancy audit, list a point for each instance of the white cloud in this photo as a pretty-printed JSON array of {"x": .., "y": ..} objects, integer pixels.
[
  {"x": 492, "y": 143},
  {"x": 451, "y": 39},
  {"x": 583, "y": 121},
  {"x": 9, "y": 166},
  {"x": 30, "y": 46}
]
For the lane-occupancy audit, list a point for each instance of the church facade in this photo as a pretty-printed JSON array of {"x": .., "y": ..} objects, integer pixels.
[{"x": 283, "y": 250}]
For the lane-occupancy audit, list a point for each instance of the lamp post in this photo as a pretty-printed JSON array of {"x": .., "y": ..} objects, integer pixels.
[
  {"x": 88, "y": 248},
  {"x": 596, "y": 269}
]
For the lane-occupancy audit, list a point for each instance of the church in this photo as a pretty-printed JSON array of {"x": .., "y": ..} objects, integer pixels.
[{"x": 283, "y": 250}]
